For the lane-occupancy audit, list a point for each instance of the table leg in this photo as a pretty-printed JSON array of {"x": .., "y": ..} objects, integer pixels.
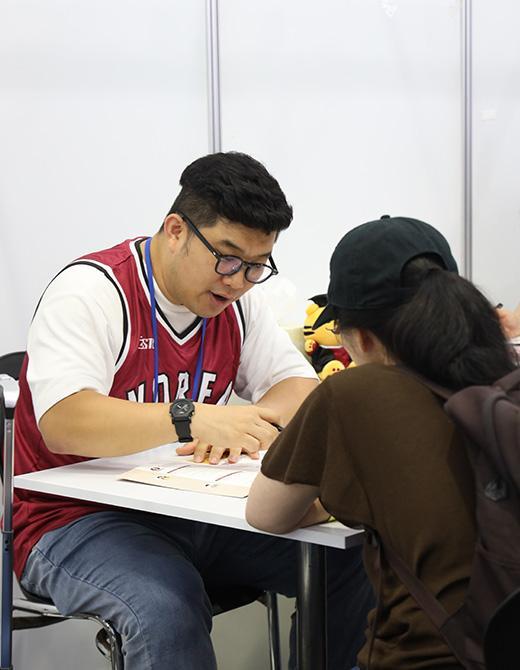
[{"x": 311, "y": 608}]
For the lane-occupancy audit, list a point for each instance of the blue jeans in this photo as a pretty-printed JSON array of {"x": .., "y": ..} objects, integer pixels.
[{"x": 146, "y": 574}]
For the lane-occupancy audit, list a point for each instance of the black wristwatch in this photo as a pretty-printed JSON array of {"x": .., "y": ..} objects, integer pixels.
[{"x": 181, "y": 412}]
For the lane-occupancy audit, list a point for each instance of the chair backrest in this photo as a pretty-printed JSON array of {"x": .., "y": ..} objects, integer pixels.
[{"x": 11, "y": 364}]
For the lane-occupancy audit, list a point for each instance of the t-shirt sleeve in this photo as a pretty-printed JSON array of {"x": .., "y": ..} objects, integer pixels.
[
  {"x": 314, "y": 449},
  {"x": 74, "y": 338},
  {"x": 268, "y": 356}
]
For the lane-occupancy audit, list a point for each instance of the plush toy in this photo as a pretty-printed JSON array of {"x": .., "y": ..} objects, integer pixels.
[{"x": 322, "y": 345}]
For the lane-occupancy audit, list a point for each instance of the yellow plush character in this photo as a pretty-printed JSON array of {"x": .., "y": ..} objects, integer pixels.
[{"x": 322, "y": 344}]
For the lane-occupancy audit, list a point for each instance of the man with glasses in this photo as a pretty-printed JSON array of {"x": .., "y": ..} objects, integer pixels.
[
  {"x": 255, "y": 273},
  {"x": 141, "y": 345}
]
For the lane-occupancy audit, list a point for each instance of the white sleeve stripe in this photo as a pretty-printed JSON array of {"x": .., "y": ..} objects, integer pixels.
[{"x": 239, "y": 314}]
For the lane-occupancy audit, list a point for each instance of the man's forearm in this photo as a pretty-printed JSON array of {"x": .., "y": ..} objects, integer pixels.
[
  {"x": 93, "y": 425},
  {"x": 287, "y": 396}
]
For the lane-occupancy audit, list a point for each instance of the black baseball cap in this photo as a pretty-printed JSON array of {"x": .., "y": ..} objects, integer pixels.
[{"x": 366, "y": 266}]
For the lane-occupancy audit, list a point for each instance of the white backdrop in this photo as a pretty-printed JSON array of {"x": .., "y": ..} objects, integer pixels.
[
  {"x": 102, "y": 104},
  {"x": 354, "y": 105},
  {"x": 497, "y": 150}
]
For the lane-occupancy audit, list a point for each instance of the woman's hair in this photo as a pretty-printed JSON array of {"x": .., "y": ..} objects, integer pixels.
[{"x": 446, "y": 330}]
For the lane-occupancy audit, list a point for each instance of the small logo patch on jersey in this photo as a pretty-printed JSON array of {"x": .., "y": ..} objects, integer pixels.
[{"x": 145, "y": 343}]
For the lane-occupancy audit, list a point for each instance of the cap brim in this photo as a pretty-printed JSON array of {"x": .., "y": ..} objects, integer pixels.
[{"x": 328, "y": 314}]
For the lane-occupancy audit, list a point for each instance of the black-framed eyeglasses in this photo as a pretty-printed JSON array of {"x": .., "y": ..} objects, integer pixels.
[{"x": 227, "y": 265}]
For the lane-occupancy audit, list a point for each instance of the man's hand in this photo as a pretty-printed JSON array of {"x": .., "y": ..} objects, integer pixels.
[
  {"x": 202, "y": 451},
  {"x": 510, "y": 321},
  {"x": 233, "y": 429}
]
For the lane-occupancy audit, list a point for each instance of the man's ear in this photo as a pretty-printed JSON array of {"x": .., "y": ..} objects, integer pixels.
[{"x": 174, "y": 228}]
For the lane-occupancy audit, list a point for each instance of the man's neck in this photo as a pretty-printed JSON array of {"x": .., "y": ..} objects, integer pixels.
[{"x": 158, "y": 268}]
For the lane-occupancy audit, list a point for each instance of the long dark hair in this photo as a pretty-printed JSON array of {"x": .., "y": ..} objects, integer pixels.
[{"x": 445, "y": 330}]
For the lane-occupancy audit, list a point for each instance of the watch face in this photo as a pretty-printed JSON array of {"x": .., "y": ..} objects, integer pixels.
[{"x": 183, "y": 408}]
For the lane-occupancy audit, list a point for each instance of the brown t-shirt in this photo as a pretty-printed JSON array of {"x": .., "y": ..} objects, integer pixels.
[{"x": 384, "y": 454}]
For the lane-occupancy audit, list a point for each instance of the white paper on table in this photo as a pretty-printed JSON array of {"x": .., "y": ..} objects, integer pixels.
[{"x": 181, "y": 472}]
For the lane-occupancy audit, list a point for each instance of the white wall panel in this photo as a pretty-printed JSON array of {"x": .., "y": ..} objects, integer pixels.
[
  {"x": 355, "y": 106},
  {"x": 496, "y": 131},
  {"x": 102, "y": 104}
]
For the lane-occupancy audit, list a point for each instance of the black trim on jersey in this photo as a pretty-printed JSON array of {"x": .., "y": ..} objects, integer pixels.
[
  {"x": 110, "y": 279},
  {"x": 192, "y": 325},
  {"x": 242, "y": 317}
]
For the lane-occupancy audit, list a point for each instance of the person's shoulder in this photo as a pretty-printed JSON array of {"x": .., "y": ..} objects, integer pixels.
[
  {"x": 77, "y": 278},
  {"x": 99, "y": 271},
  {"x": 82, "y": 280},
  {"x": 359, "y": 374},
  {"x": 384, "y": 378},
  {"x": 113, "y": 256}
]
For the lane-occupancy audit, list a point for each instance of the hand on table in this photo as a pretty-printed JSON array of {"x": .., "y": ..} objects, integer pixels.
[
  {"x": 234, "y": 429},
  {"x": 510, "y": 321}
]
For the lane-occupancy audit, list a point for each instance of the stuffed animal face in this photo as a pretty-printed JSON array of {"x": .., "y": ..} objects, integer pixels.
[
  {"x": 323, "y": 336},
  {"x": 321, "y": 344}
]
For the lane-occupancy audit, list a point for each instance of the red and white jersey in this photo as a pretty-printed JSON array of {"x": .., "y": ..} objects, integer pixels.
[
  {"x": 92, "y": 330},
  {"x": 124, "y": 267}
]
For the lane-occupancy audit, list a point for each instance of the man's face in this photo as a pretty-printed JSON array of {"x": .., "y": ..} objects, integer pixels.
[{"x": 189, "y": 276}]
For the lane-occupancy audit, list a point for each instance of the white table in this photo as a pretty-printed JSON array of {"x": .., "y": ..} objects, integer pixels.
[{"x": 96, "y": 481}]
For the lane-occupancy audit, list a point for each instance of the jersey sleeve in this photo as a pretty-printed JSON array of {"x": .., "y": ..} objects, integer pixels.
[
  {"x": 75, "y": 337},
  {"x": 268, "y": 355}
]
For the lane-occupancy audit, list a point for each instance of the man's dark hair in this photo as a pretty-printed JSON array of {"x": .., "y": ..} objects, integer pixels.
[
  {"x": 236, "y": 187},
  {"x": 447, "y": 330}
]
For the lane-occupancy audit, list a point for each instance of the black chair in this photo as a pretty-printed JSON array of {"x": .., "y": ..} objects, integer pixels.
[{"x": 30, "y": 611}]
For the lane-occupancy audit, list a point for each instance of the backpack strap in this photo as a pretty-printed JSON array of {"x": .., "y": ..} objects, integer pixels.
[
  {"x": 510, "y": 381},
  {"x": 453, "y": 635},
  {"x": 507, "y": 383},
  {"x": 426, "y": 600},
  {"x": 422, "y": 595},
  {"x": 373, "y": 539}
]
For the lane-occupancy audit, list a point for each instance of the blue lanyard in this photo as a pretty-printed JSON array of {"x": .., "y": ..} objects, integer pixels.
[{"x": 153, "y": 313}]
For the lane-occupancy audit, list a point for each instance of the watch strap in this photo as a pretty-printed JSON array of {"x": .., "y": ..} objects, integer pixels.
[{"x": 182, "y": 426}]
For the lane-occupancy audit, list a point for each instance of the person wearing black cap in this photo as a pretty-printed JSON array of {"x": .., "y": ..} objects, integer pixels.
[{"x": 372, "y": 445}]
